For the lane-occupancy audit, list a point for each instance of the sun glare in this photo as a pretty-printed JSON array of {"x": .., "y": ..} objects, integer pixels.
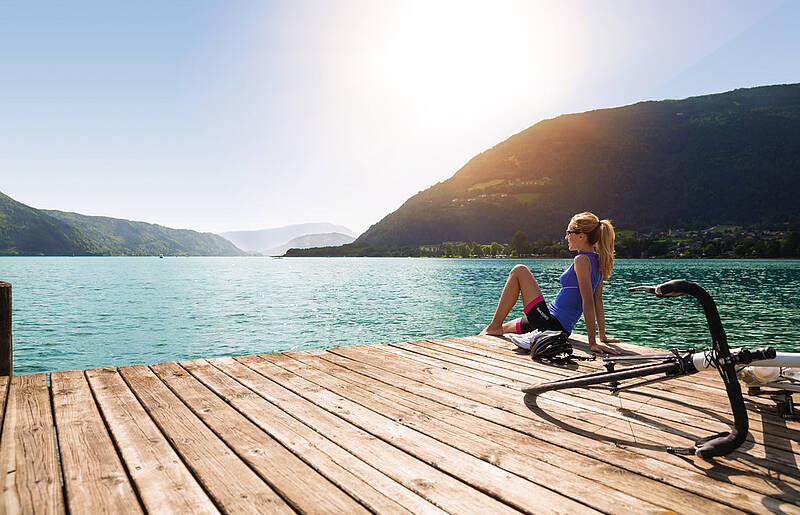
[{"x": 462, "y": 56}]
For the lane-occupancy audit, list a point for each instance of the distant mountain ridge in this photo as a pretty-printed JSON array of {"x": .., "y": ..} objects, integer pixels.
[
  {"x": 730, "y": 158},
  {"x": 25, "y": 230},
  {"x": 265, "y": 240},
  {"x": 126, "y": 237},
  {"x": 307, "y": 241}
]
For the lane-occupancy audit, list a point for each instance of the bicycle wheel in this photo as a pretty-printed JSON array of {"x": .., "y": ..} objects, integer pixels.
[{"x": 603, "y": 377}]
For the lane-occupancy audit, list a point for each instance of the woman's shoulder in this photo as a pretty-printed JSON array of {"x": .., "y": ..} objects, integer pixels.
[{"x": 582, "y": 260}]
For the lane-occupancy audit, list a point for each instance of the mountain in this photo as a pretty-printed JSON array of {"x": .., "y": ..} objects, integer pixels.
[
  {"x": 264, "y": 240},
  {"x": 307, "y": 241},
  {"x": 730, "y": 158},
  {"x": 27, "y": 231},
  {"x": 124, "y": 237}
]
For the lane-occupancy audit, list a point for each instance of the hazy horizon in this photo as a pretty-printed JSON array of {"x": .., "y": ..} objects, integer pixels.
[{"x": 223, "y": 117}]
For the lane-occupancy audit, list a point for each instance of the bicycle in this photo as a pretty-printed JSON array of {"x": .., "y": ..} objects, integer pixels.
[{"x": 685, "y": 362}]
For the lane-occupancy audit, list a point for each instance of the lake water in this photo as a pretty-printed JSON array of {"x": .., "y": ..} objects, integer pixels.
[{"x": 76, "y": 313}]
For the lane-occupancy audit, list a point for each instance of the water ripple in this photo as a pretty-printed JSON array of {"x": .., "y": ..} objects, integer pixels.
[{"x": 75, "y": 313}]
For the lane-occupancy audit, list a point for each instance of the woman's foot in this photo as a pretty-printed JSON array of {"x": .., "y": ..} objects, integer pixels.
[{"x": 493, "y": 331}]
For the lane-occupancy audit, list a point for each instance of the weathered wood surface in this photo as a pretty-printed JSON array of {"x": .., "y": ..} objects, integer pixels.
[{"x": 436, "y": 426}]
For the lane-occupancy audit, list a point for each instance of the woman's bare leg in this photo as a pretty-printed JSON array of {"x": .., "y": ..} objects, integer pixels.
[{"x": 520, "y": 281}]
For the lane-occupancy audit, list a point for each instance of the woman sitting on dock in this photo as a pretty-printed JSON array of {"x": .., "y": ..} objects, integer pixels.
[{"x": 581, "y": 288}]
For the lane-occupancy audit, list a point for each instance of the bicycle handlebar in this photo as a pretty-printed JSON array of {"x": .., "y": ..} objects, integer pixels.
[{"x": 722, "y": 443}]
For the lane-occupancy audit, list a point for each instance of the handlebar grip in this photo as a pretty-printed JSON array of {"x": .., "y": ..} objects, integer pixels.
[{"x": 645, "y": 289}]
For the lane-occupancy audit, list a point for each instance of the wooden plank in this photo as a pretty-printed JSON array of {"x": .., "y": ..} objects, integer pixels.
[
  {"x": 441, "y": 489},
  {"x": 28, "y": 458},
  {"x": 669, "y": 430},
  {"x": 594, "y": 473},
  {"x": 303, "y": 485},
  {"x": 94, "y": 478},
  {"x": 512, "y": 489},
  {"x": 230, "y": 482},
  {"x": 424, "y": 416},
  {"x": 162, "y": 480},
  {"x": 502, "y": 406}
]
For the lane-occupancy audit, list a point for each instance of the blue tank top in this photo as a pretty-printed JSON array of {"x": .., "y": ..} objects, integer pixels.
[{"x": 568, "y": 305}]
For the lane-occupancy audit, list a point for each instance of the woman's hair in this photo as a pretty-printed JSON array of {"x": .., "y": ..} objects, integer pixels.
[{"x": 600, "y": 234}]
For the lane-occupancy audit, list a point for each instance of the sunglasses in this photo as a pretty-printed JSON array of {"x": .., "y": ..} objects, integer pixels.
[{"x": 572, "y": 232}]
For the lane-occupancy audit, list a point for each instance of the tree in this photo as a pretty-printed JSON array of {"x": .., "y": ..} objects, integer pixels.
[
  {"x": 497, "y": 249},
  {"x": 791, "y": 245},
  {"x": 477, "y": 249},
  {"x": 463, "y": 250},
  {"x": 487, "y": 250},
  {"x": 449, "y": 249},
  {"x": 520, "y": 243}
]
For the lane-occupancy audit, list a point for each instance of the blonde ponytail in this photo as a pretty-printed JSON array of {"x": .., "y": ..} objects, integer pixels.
[
  {"x": 605, "y": 248},
  {"x": 600, "y": 234}
]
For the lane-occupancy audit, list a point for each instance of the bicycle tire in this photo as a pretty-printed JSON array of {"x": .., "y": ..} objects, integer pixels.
[{"x": 595, "y": 378}]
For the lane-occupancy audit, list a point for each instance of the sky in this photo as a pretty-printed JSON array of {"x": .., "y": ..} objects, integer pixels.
[{"x": 220, "y": 115}]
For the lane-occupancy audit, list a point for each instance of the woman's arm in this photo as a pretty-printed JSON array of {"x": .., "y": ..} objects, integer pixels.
[
  {"x": 583, "y": 270},
  {"x": 601, "y": 316}
]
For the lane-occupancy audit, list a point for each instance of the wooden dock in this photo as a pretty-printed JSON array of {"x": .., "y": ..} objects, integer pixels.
[{"x": 424, "y": 427}]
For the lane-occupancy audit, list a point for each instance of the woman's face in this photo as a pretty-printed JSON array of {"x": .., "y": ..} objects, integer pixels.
[{"x": 572, "y": 236}]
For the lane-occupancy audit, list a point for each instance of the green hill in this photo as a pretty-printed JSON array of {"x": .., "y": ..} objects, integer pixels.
[
  {"x": 124, "y": 237},
  {"x": 28, "y": 231},
  {"x": 730, "y": 158}
]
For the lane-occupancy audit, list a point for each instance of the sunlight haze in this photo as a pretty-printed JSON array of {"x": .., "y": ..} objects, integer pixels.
[{"x": 221, "y": 116}]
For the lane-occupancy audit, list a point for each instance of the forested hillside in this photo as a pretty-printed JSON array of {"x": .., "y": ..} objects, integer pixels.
[
  {"x": 124, "y": 237},
  {"x": 27, "y": 231},
  {"x": 730, "y": 158}
]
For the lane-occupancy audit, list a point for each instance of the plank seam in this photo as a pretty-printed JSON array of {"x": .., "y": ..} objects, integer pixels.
[
  {"x": 114, "y": 443},
  {"x": 58, "y": 447},
  {"x": 6, "y": 390}
]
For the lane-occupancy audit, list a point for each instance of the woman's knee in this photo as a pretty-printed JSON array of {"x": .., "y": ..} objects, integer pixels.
[{"x": 520, "y": 270}]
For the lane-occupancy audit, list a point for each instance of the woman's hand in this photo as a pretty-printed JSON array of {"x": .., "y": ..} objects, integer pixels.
[
  {"x": 609, "y": 339},
  {"x": 603, "y": 349}
]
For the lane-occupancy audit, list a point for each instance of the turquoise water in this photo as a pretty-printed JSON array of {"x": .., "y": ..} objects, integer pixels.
[{"x": 75, "y": 313}]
